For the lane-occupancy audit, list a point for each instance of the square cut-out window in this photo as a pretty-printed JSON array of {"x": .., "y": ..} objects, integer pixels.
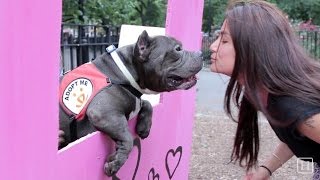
[{"x": 129, "y": 35}]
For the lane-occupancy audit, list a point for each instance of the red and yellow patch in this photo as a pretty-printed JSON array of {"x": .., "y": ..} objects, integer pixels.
[{"x": 78, "y": 87}]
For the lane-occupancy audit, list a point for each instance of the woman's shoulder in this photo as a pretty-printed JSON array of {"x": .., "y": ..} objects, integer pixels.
[
  {"x": 289, "y": 108},
  {"x": 283, "y": 102}
]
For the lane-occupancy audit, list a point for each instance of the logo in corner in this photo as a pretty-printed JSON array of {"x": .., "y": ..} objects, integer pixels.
[
  {"x": 77, "y": 94},
  {"x": 305, "y": 165}
]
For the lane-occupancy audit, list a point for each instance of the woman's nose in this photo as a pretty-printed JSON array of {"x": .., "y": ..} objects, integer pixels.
[{"x": 214, "y": 46}]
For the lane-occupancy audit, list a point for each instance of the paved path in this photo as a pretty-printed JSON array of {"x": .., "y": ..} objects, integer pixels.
[{"x": 210, "y": 90}]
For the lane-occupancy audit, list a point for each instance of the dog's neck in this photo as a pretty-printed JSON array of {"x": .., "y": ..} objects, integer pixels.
[
  {"x": 107, "y": 66},
  {"x": 128, "y": 75},
  {"x": 125, "y": 55}
]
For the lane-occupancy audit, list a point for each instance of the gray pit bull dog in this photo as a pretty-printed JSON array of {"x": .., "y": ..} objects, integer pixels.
[{"x": 157, "y": 64}]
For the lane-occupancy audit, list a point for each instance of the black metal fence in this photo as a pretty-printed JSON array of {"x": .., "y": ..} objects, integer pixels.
[
  {"x": 310, "y": 40},
  {"x": 83, "y": 43}
]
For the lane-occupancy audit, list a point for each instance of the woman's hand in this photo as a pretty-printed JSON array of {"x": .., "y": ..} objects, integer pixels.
[{"x": 258, "y": 174}]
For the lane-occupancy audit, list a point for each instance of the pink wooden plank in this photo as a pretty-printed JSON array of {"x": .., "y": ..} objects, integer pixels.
[
  {"x": 29, "y": 49},
  {"x": 184, "y": 21}
]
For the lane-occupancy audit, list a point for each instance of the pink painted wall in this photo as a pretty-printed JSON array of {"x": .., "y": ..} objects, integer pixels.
[{"x": 29, "y": 48}]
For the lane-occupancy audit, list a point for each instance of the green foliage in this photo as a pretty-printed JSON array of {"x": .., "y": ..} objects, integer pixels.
[
  {"x": 152, "y": 12},
  {"x": 71, "y": 12},
  {"x": 213, "y": 14},
  {"x": 108, "y": 11},
  {"x": 115, "y": 12},
  {"x": 300, "y": 10},
  {"x": 297, "y": 10}
]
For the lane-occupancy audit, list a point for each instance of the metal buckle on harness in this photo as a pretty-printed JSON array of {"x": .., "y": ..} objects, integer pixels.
[
  {"x": 108, "y": 80},
  {"x": 110, "y": 48}
]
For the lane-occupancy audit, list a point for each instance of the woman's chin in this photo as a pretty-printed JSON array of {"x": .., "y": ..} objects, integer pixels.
[{"x": 213, "y": 68}]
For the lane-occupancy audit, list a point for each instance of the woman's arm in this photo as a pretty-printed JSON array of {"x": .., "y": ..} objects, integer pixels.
[
  {"x": 311, "y": 128},
  {"x": 280, "y": 155}
]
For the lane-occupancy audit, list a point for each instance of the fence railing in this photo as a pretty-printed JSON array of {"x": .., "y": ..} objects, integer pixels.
[
  {"x": 310, "y": 40},
  {"x": 83, "y": 43}
]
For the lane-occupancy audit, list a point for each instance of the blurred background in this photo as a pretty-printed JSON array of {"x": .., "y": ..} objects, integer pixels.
[{"x": 88, "y": 26}]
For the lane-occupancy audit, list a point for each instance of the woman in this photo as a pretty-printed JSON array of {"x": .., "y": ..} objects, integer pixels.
[{"x": 271, "y": 73}]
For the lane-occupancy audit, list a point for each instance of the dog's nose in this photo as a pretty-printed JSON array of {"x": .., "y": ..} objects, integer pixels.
[{"x": 199, "y": 54}]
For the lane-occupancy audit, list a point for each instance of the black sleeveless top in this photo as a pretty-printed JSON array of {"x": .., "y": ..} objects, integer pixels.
[{"x": 289, "y": 112}]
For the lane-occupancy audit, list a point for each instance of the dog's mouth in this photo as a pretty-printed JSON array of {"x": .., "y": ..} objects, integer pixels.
[{"x": 178, "y": 82}]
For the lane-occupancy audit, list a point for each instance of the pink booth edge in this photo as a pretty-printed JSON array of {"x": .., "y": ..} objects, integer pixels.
[{"x": 28, "y": 96}]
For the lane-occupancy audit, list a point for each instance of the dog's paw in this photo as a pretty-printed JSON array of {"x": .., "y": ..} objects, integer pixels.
[
  {"x": 142, "y": 130},
  {"x": 111, "y": 168}
]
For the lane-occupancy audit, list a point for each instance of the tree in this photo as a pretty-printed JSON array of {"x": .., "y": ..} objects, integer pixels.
[
  {"x": 151, "y": 12},
  {"x": 71, "y": 11},
  {"x": 297, "y": 10},
  {"x": 111, "y": 12},
  {"x": 300, "y": 10},
  {"x": 213, "y": 14}
]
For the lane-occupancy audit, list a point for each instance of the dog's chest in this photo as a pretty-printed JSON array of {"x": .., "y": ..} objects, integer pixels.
[{"x": 138, "y": 105}]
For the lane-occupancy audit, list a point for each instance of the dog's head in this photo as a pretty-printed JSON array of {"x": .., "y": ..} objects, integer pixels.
[{"x": 163, "y": 65}]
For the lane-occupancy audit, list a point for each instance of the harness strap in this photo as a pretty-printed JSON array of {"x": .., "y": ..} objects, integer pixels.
[
  {"x": 133, "y": 90},
  {"x": 112, "y": 51},
  {"x": 73, "y": 128}
]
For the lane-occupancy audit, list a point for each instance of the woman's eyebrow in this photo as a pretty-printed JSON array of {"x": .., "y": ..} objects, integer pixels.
[{"x": 224, "y": 33}]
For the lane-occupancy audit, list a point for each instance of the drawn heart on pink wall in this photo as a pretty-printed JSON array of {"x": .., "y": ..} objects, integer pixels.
[
  {"x": 152, "y": 175},
  {"x": 136, "y": 143},
  {"x": 175, "y": 157}
]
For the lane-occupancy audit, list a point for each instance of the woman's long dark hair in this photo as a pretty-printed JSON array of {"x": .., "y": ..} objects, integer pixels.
[{"x": 268, "y": 56}]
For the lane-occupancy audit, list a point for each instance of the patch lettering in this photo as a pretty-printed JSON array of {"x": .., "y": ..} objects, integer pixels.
[{"x": 76, "y": 94}]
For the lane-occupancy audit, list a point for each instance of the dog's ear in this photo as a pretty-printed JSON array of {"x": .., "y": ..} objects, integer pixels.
[{"x": 141, "y": 49}]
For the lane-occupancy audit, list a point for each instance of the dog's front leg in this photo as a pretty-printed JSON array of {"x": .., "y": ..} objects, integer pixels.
[
  {"x": 144, "y": 120},
  {"x": 115, "y": 126}
]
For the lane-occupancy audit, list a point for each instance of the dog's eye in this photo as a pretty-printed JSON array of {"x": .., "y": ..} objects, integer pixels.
[{"x": 178, "y": 48}]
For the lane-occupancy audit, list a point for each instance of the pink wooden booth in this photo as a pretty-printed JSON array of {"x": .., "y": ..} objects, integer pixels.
[{"x": 29, "y": 48}]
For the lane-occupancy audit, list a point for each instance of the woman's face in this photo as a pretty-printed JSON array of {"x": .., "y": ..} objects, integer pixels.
[{"x": 223, "y": 53}]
